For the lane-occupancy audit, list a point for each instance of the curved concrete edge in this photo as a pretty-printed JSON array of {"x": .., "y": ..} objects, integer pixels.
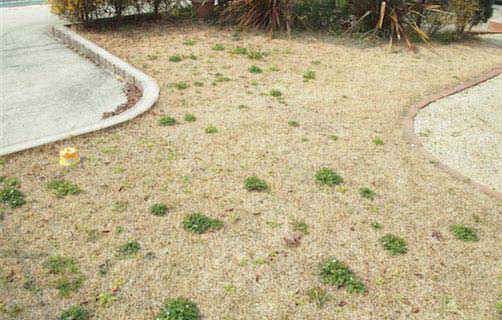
[
  {"x": 103, "y": 58},
  {"x": 409, "y": 129}
]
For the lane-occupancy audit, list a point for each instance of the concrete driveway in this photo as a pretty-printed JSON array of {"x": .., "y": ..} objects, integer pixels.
[{"x": 46, "y": 88}]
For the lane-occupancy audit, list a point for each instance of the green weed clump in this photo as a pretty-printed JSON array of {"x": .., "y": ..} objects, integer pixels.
[
  {"x": 179, "y": 309},
  {"x": 175, "y": 58},
  {"x": 394, "y": 244},
  {"x": 75, "y": 312},
  {"x": 129, "y": 248},
  {"x": 60, "y": 264},
  {"x": 190, "y": 117},
  {"x": 464, "y": 233},
  {"x": 367, "y": 193},
  {"x": 211, "y": 130},
  {"x": 309, "y": 75},
  {"x": 218, "y": 47},
  {"x": 199, "y": 223},
  {"x": 275, "y": 93},
  {"x": 158, "y": 209},
  {"x": 255, "y": 184},
  {"x": 12, "y": 197},
  {"x": 255, "y": 69},
  {"x": 334, "y": 272},
  {"x": 327, "y": 176},
  {"x": 62, "y": 188},
  {"x": 167, "y": 121}
]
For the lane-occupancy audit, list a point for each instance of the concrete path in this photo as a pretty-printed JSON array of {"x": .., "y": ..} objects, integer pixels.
[
  {"x": 465, "y": 132},
  {"x": 46, "y": 88}
]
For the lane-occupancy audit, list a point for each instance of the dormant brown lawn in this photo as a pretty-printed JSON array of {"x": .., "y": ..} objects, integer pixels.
[{"x": 246, "y": 270}]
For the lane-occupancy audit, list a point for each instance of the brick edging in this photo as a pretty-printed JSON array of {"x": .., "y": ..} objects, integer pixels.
[
  {"x": 110, "y": 62},
  {"x": 414, "y": 140}
]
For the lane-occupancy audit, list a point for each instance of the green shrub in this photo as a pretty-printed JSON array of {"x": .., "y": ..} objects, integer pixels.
[
  {"x": 464, "y": 233},
  {"x": 199, "y": 223},
  {"x": 158, "y": 209},
  {"x": 394, "y": 244},
  {"x": 62, "y": 188},
  {"x": 179, "y": 309},
  {"x": 255, "y": 184},
  {"x": 75, "y": 313},
  {"x": 327, "y": 176},
  {"x": 334, "y": 272},
  {"x": 319, "y": 14}
]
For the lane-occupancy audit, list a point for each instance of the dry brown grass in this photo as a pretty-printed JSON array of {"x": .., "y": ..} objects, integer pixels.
[{"x": 359, "y": 93}]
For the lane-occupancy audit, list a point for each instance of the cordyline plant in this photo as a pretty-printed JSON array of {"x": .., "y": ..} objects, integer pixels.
[
  {"x": 269, "y": 15},
  {"x": 392, "y": 19}
]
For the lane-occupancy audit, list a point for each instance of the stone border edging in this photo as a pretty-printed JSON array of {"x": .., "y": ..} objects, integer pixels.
[
  {"x": 103, "y": 58},
  {"x": 409, "y": 127}
]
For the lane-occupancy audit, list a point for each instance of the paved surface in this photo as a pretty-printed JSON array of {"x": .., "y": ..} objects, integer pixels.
[
  {"x": 46, "y": 89},
  {"x": 465, "y": 132}
]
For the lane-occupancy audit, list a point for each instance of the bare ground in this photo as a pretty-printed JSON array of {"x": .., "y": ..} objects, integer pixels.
[{"x": 245, "y": 271}]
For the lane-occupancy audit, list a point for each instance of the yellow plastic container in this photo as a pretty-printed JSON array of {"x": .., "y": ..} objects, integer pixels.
[{"x": 69, "y": 157}]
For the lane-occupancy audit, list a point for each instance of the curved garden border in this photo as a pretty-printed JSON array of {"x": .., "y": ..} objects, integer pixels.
[
  {"x": 410, "y": 132},
  {"x": 101, "y": 57}
]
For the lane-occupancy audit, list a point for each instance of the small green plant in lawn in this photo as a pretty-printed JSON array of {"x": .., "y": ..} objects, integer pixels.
[
  {"x": 62, "y": 188},
  {"x": 211, "y": 129},
  {"x": 255, "y": 69},
  {"x": 301, "y": 226},
  {"x": 222, "y": 78},
  {"x": 179, "y": 309},
  {"x": 498, "y": 307},
  {"x": 12, "y": 197},
  {"x": 189, "y": 42},
  {"x": 254, "y": 83},
  {"x": 293, "y": 123},
  {"x": 367, "y": 193},
  {"x": 2, "y": 162},
  {"x": 158, "y": 209},
  {"x": 129, "y": 248},
  {"x": 318, "y": 295},
  {"x": 167, "y": 121},
  {"x": 378, "y": 141},
  {"x": 9, "y": 182},
  {"x": 152, "y": 57},
  {"x": 394, "y": 244},
  {"x": 198, "y": 83},
  {"x": 192, "y": 56},
  {"x": 60, "y": 264},
  {"x": 309, "y": 75},
  {"x": 333, "y": 137},
  {"x": 256, "y": 55},
  {"x": 175, "y": 58},
  {"x": 239, "y": 50},
  {"x": 376, "y": 225},
  {"x": 327, "y": 176},
  {"x": 182, "y": 85},
  {"x": 275, "y": 93},
  {"x": 464, "y": 233},
  {"x": 273, "y": 68},
  {"x": 218, "y": 47},
  {"x": 199, "y": 223},
  {"x": 106, "y": 298},
  {"x": 334, "y": 272},
  {"x": 66, "y": 286},
  {"x": 120, "y": 206},
  {"x": 190, "y": 117},
  {"x": 75, "y": 312},
  {"x": 255, "y": 184}
]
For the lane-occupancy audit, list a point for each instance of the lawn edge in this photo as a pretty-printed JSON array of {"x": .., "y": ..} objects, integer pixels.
[
  {"x": 409, "y": 129},
  {"x": 104, "y": 59}
]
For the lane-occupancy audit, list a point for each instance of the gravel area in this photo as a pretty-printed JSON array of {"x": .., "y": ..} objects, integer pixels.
[
  {"x": 465, "y": 132},
  {"x": 347, "y": 115}
]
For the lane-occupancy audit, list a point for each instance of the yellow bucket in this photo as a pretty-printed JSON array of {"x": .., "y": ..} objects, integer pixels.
[{"x": 69, "y": 157}]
